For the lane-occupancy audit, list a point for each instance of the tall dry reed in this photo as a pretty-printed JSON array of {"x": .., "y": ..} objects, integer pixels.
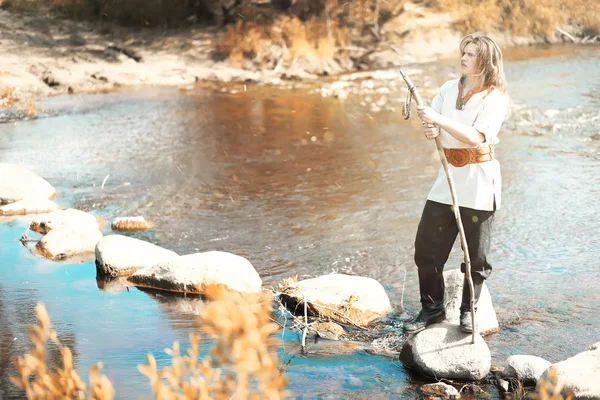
[
  {"x": 242, "y": 364},
  {"x": 41, "y": 382}
]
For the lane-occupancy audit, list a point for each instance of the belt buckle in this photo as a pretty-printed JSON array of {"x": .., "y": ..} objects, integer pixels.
[{"x": 458, "y": 157}]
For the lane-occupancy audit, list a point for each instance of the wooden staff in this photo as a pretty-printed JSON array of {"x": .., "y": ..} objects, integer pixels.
[{"x": 414, "y": 92}]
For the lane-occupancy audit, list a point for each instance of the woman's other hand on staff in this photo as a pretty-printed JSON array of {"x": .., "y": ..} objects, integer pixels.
[
  {"x": 431, "y": 130},
  {"x": 428, "y": 115}
]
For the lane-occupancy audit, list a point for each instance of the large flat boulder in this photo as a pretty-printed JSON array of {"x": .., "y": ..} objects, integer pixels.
[
  {"x": 118, "y": 255},
  {"x": 18, "y": 183},
  {"x": 485, "y": 317},
  {"x": 64, "y": 242},
  {"x": 525, "y": 368},
  {"x": 443, "y": 351},
  {"x": 192, "y": 273},
  {"x": 71, "y": 218},
  {"x": 345, "y": 298},
  {"x": 29, "y": 206},
  {"x": 579, "y": 375}
]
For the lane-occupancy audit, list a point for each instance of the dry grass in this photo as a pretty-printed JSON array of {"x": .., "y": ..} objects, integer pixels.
[
  {"x": 523, "y": 17},
  {"x": 287, "y": 39},
  {"x": 10, "y": 98},
  {"x": 552, "y": 389},
  {"x": 242, "y": 363},
  {"x": 41, "y": 382}
]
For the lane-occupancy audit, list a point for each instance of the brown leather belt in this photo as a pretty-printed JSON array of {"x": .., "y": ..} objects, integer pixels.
[{"x": 462, "y": 157}]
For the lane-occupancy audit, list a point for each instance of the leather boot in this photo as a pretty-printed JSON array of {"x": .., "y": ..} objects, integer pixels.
[
  {"x": 431, "y": 285},
  {"x": 424, "y": 319},
  {"x": 466, "y": 323}
]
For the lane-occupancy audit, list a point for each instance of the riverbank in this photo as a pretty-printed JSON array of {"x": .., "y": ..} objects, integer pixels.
[{"x": 45, "y": 55}]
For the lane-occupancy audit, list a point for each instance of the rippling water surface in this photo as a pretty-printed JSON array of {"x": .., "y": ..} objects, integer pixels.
[{"x": 304, "y": 184}]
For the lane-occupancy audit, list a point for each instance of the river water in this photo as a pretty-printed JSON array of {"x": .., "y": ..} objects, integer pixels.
[{"x": 302, "y": 183}]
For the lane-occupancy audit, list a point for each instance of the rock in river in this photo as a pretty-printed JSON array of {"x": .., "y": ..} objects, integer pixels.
[
  {"x": 443, "y": 351},
  {"x": 525, "y": 368},
  {"x": 64, "y": 242},
  {"x": 118, "y": 255},
  {"x": 579, "y": 375},
  {"x": 29, "y": 206},
  {"x": 130, "y": 224},
  {"x": 485, "y": 317},
  {"x": 18, "y": 183},
  {"x": 71, "y": 218},
  {"x": 349, "y": 299},
  {"x": 192, "y": 273}
]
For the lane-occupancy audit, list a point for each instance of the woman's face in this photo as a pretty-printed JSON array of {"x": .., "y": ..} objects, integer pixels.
[{"x": 468, "y": 62}]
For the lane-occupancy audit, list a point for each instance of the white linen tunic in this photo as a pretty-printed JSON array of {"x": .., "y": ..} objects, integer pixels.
[{"x": 477, "y": 185}]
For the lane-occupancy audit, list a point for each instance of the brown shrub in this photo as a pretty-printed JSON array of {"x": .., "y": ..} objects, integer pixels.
[
  {"x": 523, "y": 17},
  {"x": 9, "y": 98},
  {"x": 286, "y": 39}
]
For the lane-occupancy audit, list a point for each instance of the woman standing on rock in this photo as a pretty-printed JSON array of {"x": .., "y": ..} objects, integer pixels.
[{"x": 467, "y": 113}]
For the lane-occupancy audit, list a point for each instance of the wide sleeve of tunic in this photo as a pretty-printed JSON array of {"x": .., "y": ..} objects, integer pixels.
[{"x": 490, "y": 117}]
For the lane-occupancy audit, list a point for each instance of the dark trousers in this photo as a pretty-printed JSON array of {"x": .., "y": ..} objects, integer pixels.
[{"x": 436, "y": 235}]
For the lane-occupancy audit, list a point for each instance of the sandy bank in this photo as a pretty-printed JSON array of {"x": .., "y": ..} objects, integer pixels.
[{"x": 45, "y": 56}]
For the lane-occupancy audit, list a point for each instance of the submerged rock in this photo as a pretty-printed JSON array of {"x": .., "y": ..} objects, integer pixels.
[
  {"x": 64, "y": 242},
  {"x": 192, "y": 273},
  {"x": 29, "y": 206},
  {"x": 485, "y": 317},
  {"x": 349, "y": 299},
  {"x": 112, "y": 285},
  {"x": 525, "y": 368},
  {"x": 578, "y": 375},
  {"x": 443, "y": 351},
  {"x": 71, "y": 218},
  {"x": 328, "y": 330},
  {"x": 391, "y": 344},
  {"x": 441, "y": 389},
  {"x": 118, "y": 255},
  {"x": 18, "y": 183},
  {"x": 130, "y": 224}
]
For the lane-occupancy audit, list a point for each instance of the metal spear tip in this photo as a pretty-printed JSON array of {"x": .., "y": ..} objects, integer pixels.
[{"x": 402, "y": 73}]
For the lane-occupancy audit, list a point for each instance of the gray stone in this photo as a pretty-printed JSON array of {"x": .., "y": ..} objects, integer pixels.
[
  {"x": 578, "y": 375},
  {"x": 18, "y": 183},
  {"x": 345, "y": 298},
  {"x": 71, "y": 218},
  {"x": 441, "y": 389},
  {"x": 525, "y": 368},
  {"x": 64, "y": 242},
  {"x": 443, "y": 351},
  {"x": 328, "y": 330},
  {"x": 485, "y": 317},
  {"x": 118, "y": 255},
  {"x": 29, "y": 206},
  {"x": 193, "y": 273}
]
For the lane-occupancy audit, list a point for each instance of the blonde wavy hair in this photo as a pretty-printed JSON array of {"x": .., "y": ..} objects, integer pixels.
[{"x": 489, "y": 61}]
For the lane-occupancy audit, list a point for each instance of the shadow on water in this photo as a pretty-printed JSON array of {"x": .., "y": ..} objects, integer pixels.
[{"x": 304, "y": 185}]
